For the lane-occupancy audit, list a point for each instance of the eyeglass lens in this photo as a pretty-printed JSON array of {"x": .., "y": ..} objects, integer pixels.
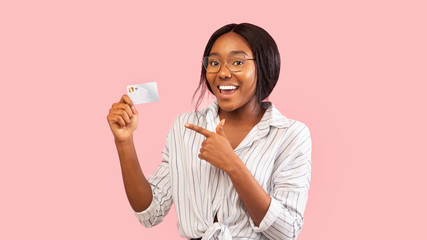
[{"x": 235, "y": 63}]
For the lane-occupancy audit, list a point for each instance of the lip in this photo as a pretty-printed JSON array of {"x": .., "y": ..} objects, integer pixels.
[
  {"x": 225, "y": 97},
  {"x": 227, "y": 84}
]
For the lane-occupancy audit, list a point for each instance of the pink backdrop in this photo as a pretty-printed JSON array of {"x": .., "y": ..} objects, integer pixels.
[{"x": 353, "y": 71}]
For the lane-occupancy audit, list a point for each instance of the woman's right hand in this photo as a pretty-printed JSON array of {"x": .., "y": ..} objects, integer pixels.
[{"x": 123, "y": 119}]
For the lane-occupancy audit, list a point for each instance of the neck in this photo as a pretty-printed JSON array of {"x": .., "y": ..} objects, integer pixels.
[{"x": 251, "y": 113}]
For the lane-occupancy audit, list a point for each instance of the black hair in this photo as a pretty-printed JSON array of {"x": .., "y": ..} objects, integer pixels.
[{"x": 265, "y": 53}]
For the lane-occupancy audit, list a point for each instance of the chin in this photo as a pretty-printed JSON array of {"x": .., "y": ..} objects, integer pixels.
[{"x": 227, "y": 106}]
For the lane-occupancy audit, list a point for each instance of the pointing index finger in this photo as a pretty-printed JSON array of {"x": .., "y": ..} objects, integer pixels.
[{"x": 198, "y": 129}]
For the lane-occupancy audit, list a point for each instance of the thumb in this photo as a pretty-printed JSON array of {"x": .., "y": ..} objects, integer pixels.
[{"x": 219, "y": 128}]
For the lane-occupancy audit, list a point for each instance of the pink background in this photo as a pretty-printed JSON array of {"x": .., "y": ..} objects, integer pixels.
[{"x": 353, "y": 71}]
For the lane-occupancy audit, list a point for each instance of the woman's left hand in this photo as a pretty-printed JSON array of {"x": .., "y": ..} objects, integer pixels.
[{"x": 216, "y": 149}]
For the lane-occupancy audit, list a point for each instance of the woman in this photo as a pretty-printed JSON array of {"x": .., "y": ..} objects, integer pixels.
[{"x": 237, "y": 169}]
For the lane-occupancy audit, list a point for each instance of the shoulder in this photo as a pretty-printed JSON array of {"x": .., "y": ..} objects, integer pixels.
[
  {"x": 296, "y": 134},
  {"x": 276, "y": 119},
  {"x": 298, "y": 127},
  {"x": 292, "y": 132},
  {"x": 297, "y": 139}
]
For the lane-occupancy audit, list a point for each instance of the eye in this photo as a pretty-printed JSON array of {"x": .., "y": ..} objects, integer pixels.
[
  {"x": 238, "y": 62},
  {"x": 213, "y": 63}
]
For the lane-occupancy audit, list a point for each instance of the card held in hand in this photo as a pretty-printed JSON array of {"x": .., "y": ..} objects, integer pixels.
[{"x": 143, "y": 93}]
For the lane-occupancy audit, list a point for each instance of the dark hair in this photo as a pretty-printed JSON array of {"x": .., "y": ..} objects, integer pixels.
[{"x": 266, "y": 55}]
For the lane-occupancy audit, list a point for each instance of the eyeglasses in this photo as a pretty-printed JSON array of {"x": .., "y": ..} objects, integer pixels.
[{"x": 235, "y": 63}]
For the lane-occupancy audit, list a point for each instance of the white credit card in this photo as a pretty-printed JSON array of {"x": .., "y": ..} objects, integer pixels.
[{"x": 143, "y": 93}]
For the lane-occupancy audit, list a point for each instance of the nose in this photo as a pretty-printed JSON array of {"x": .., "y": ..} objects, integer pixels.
[{"x": 224, "y": 72}]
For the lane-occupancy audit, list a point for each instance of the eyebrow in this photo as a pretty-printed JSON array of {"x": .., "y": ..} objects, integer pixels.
[{"x": 232, "y": 52}]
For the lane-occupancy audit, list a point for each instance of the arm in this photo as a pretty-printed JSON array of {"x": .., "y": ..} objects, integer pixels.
[
  {"x": 279, "y": 215},
  {"x": 138, "y": 190},
  {"x": 253, "y": 196},
  {"x": 150, "y": 198},
  {"x": 217, "y": 150},
  {"x": 123, "y": 121},
  {"x": 161, "y": 192},
  {"x": 291, "y": 180}
]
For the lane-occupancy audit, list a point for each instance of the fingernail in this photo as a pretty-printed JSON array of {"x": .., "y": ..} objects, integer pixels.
[
  {"x": 187, "y": 125},
  {"x": 223, "y": 121}
]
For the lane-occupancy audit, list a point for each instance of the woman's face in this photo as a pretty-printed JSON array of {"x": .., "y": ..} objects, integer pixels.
[{"x": 225, "y": 46}]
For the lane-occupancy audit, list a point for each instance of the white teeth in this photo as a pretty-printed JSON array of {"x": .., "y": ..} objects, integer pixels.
[{"x": 230, "y": 87}]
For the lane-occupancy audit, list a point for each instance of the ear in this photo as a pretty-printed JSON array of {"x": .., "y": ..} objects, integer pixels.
[{"x": 219, "y": 128}]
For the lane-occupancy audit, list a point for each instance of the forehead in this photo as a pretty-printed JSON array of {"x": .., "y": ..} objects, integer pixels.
[{"x": 230, "y": 42}]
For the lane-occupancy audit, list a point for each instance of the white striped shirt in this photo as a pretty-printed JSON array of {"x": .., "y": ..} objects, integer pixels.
[{"x": 277, "y": 151}]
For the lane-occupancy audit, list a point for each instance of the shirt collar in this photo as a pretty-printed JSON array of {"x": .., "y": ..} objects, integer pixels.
[{"x": 272, "y": 118}]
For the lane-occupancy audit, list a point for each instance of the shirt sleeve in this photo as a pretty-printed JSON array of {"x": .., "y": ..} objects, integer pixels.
[
  {"x": 161, "y": 189},
  {"x": 291, "y": 180}
]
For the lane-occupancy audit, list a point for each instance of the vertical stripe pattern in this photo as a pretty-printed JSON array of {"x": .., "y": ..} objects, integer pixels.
[{"x": 277, "y": 151}]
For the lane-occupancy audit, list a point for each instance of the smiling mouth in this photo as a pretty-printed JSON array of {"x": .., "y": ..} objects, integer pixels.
[{"x": 227, "y": 90}]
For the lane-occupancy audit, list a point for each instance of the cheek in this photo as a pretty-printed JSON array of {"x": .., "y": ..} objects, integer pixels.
[
  {"x": 250, "y": 80},
  {"x": 249, "y": 75},
  {"x": 210, "y": 81}
]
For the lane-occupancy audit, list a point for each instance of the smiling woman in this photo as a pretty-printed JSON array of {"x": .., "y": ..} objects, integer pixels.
[
  {"x": 264, "y": 53},
  {"x": 242, "y": 80},
  {"x": 237, "y": 168}
]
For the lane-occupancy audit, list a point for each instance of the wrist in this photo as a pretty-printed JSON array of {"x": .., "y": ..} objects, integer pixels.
[
  {"x": 235, "y": 165},
  {"x": 124, "y": 141}
]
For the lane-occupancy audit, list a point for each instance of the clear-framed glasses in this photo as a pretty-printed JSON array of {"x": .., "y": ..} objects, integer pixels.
[{"x": 235, "y": 63}]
